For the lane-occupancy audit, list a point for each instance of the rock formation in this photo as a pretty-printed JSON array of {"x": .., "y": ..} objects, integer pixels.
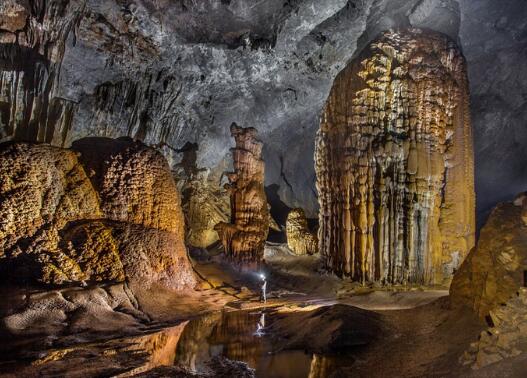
[
  {"x": 394, "y": 163},
  {"x": 205, "y": 203},
  {"x": 244, "y": 238},
  {"x": 62, "y": 225},
  {"x": 300, "y": 239},
  {"x": 494, "y": 270},
  {"x": 206, "y": 207},
  {"x": 507, "y": 337},
  {"x": 177, "y": 71}
]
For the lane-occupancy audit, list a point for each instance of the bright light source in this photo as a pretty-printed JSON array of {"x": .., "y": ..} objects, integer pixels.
[{"x": 262, "y": 276}]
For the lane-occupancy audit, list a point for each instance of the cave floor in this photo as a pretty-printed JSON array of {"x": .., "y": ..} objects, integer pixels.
[{"x": 313, "y": 325}]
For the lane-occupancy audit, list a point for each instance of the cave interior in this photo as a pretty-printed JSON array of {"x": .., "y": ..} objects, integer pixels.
[{"x": 234, "y": 188}]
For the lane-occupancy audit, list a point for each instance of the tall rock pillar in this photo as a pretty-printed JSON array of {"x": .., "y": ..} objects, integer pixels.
[
  {"x": 394, "y": 163},
  {"x": 244, "y": 238}
]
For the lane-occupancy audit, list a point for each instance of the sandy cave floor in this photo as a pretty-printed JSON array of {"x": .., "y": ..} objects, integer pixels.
[{"x": 403, "y": 333}]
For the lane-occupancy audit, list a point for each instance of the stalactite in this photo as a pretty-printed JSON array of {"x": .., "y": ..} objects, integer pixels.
[
  {"x": 394, "y": 163},
  {"x": 244, "y": 238},
  {"x": 300, "y": 239},
  {"x": 32, "y": 43}
]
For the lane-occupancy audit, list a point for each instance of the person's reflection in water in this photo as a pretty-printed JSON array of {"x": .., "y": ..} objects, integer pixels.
[{"x": 260, "y": 326}]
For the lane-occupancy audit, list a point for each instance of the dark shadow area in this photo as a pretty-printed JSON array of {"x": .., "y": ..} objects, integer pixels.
[{"x": 279, "y": 211}]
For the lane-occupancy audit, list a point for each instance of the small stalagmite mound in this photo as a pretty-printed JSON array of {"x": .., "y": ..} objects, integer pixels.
[
  {"x": 497, "y": 267},
  {"x": 105, "y": 211},
  {"x": 244, "y": 237},
  {"x": 394, "y": 163},
  {"x": 300, "y": 239}
]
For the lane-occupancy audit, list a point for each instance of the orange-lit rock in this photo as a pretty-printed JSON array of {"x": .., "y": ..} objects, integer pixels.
[
  {"x": 394, "y": 163},
  {"x": 244, "y": 238},
  {"x": 494, "y": 270},
  {"x": 13, "y": 14},
  {"x": 121, "y": 221},
  {"x": 43, "y": 190},
  {"x": 300, "y": 239}
]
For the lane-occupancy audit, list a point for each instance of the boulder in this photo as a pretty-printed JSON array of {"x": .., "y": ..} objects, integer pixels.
[
  {"x": 107, "y": 212},
  {"x": 494, "y": 270}
]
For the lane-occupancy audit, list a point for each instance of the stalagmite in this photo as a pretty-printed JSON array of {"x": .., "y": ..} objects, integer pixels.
[
  {"x": 394, "y": 163},
  {"x": 243, "y": 239},
  {"x": 300, "y": 239}
]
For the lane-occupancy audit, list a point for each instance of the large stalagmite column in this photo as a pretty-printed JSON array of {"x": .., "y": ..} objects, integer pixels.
[
  {"x": 244, "y": 238},
  {"x": 394, "y": 163}
]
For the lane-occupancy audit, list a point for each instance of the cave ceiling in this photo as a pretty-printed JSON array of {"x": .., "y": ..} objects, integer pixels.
[{"x": 173, "y": 72}]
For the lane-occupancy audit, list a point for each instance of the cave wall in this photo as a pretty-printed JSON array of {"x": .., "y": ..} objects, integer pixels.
[
  {"x": 169, "y": 73},
  {"x": 394, "y": 163}
]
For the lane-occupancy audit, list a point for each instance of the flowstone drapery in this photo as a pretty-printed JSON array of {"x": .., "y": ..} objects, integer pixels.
[{"x": 394, "y": 162}]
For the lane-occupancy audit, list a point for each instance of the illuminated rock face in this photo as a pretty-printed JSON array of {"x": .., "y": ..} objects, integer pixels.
[
  {"x": 394, "y": 163},
  {"x": 300, "y": 239},
  {"x": 207, "y": 206},
  {"x": 244, "y": 238},
  {"x": 494, "y": 270},
  {"x": 108, "y": 211}
]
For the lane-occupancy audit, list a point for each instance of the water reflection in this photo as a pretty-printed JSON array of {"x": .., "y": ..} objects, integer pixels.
[
  {"x": 233, "y": 336},
  {"x": 260, "y": 326},
  {"x": 246, "y": 336}
]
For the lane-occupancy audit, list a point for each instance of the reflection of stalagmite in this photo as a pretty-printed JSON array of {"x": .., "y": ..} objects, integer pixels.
[
  {"x": 300, "y": 239},
  {"x": 244, "y": 238},
  {"x": 394, "y": 163}
]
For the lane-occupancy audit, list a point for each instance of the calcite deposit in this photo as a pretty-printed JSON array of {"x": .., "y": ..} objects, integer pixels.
[
  {"x": 300, "y": 239},
  {"x": 205, "y": 203},
  {"x": 244, "y": 237},
  {"x": 394, "y": 163},
  {"x": 108, "y": 211},
  {"x": 495, "y": 269}
]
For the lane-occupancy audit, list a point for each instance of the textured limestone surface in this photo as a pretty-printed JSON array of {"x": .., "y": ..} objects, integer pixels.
[
  {"x": 244, "y": 237},
  {"x": 507, "y": 337},
  {"x": 107, "y": 213},
  {"x": 300, "y": 239},
  {"x": 105, "y": 308},
  {"x": 204, "y": 201},
  {"x": 134, "y": 183},
  {"x": 494, "y": 270},
  {"x": 394, "y": 163},
  {"x": 173, "y": 72},
  {"x": 44, "y": 190}
]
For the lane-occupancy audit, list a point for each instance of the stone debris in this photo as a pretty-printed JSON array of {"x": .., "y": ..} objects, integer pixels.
[{"x": 506, "y": 338}]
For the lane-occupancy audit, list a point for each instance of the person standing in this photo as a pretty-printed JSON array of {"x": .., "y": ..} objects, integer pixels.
[{"x": 263, "y": 295}]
